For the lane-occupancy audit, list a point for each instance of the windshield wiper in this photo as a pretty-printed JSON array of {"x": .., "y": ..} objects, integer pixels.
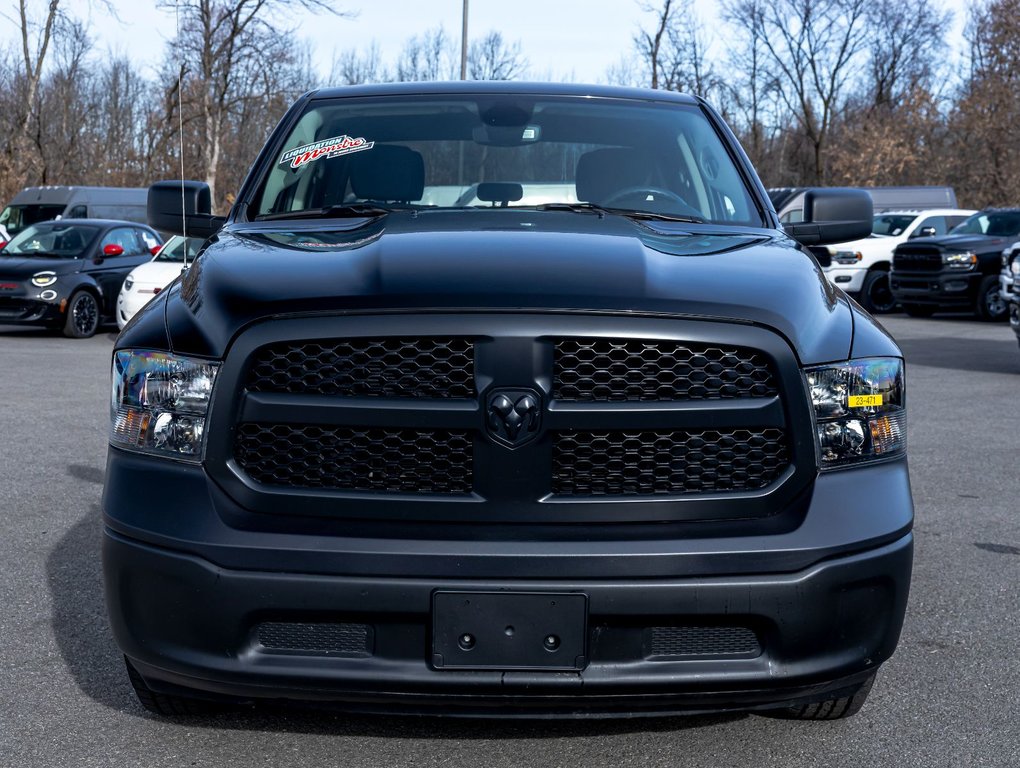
[
  {"x": 628, "y": 212},
  {"x": 351, "y": 211}
]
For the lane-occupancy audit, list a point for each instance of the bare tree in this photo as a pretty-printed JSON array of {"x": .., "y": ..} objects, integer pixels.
[
  {"x": 812, "y": 48},
  {"x": 673, "y": 51},
  {"x": 354, "y": 67},
  {"x": 905, "y": 45},
  {"x": 223, "y": 42},
  {"x": 492, "y": 59},
  {"x": 430, "y": 56}
]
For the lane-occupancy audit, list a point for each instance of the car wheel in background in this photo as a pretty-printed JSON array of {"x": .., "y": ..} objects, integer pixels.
[
  {"x": 876, "y": 294},
  {"x": 837, "y": 708},
  {"x": 82, "y": 316},
  {"x": 919, "y": 310},
  {"x": 990, "y": 304}
]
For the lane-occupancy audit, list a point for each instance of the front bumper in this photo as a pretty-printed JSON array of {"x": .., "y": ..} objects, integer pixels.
[
  {"x": 30, "y": 310},
  {"x": 944, "y": 289},
  {"x": 850, "y": 279},
  {"x": 192, "y": 582}
]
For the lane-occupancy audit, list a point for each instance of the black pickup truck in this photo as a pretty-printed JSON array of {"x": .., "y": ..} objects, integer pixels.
[
  {"x": 602, "y": 441},
  {"x": 956, "y": 271}
]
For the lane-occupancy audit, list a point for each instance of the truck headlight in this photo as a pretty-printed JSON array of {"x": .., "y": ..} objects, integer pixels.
[
  {"x": 160, "y": 403},
  {"x": 847, "y": 257},
  {"x": 860, "y": 411},
  {"x": 966, "y": 260},
  {"x": 1014, "y": 266},
  {"x": 44, "y": 279}
]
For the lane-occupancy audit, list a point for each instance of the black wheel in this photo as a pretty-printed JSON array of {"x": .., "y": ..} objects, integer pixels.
[
  {"x": 990, "y": 304},
  {"x": 166, "y": 704},
  {"x": 837, "y": 708},
  {"x": 919, "y": 310},
  {"x": 876, "y": 294},
  {"x": 82, "y": 316}
]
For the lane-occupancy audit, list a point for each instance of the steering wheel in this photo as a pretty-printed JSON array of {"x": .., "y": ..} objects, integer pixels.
[{"x": 660, "y": 195}]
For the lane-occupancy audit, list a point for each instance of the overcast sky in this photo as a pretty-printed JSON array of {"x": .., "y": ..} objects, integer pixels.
[{"x": 579, "y": 39}]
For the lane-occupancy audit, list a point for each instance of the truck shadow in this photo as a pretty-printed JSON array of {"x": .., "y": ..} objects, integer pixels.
[
  {"x": 89, "y": 652},
  {"x": 963, "y": 354}
]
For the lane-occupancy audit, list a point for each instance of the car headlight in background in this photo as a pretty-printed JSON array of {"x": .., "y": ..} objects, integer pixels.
[
  {"x": 860, "y": 411},
  {"x": 965, "y": 260},
  {"x": 44, "y": 279},
  {"x": 160, "y": 403},
  {"x": 1014, "y": 267},
  {"x": 847, "y": 257},
  {"x": 128, "y": 282}
]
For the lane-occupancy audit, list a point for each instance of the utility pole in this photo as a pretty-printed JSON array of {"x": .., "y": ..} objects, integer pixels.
[{"x": 463, "y": 43}]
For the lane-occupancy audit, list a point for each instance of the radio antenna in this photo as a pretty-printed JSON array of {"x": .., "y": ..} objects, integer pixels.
[{"x": 180, "y": 116}]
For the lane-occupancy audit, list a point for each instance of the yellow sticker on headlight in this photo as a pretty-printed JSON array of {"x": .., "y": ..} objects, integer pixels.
[{"x": 864, "y": 401}]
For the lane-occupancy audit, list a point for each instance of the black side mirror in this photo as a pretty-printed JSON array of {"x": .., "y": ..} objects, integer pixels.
[
  {"x": 834, "y": 215},
  {"x": 176, "y": 205}
]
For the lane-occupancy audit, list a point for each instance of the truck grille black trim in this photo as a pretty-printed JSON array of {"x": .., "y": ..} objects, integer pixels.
[
  {"x": 333, "y": 639},
  {"x": 381, "y": 367},
  {"x": 674, "y": 463},
  {"x": 605, "y": 370},
  {"x": 702, "y": 642},
  {"x": 917, "y": 259},
  {"x": 356, "y": 459}
]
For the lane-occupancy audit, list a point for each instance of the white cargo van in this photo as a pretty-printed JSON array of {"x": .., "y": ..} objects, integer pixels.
[{"x": 34, "y": 204}]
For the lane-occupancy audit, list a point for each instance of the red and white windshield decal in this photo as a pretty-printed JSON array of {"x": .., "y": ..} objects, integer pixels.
[{"x": 328, "y": 148}]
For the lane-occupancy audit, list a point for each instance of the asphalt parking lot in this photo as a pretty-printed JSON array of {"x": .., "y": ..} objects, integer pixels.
[{"x": 948, "y": 697}]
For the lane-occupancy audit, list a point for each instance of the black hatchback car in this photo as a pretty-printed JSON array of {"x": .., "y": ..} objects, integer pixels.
[{"x": 67, "y": 274}]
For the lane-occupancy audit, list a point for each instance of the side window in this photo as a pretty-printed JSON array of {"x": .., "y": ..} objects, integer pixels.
[
  {"x": 126, "y": 239},
  {"x": 926, "y": 227},
  {"x": 793, "y": 217},
  {"x": 952, "y": 221},
  {"x": 148, "y": 239},
  {"x": 78, "y": 212}
]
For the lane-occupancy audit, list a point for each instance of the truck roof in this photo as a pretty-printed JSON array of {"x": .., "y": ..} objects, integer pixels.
[{"x": 508, "y": 87}]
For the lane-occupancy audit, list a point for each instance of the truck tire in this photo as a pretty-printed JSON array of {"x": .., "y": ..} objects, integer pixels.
[
  {"x": 876, "y": 295},
  {"x": 991, "y": 307},
  {"x": 847, "y": 705},
  {"x": 167, "y": 704},
  {"x": 82, "y": 317},
  {"x": 919, "y": 310}
]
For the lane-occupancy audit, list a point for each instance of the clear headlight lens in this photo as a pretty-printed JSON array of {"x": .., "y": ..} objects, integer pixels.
[
  {"x": 128, "y": 282},
  {"x": 1014, "y": 267},
  {"x": 160, "y": 403},
  {"x": 966, "y": 260},
  {"x": 44, "y": 279},
  {"x": 847, "y": 257},
  {"x": 860, "y": 411}
]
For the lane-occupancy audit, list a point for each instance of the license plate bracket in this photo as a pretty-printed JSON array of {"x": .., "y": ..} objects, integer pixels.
[{"x": 509, "y": 630}]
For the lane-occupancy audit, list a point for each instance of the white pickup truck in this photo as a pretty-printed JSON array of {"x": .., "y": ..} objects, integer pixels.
[{"x": 861, "y": 267}]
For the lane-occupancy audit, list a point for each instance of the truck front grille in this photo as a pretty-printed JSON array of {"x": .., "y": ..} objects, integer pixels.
[
  {"x": 611, "y": 370},
  {"x": 388, "y": 367},
  {"x": 673, "y": 463},
  {"x": 917, "y": 258},
  {"x": 345, "y": 458}
]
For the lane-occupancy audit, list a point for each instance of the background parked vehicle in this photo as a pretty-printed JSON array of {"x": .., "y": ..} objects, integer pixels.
[
  {"x": 35, "y": 204},
  {"x": 148, "y": 279},
  {"x": 67, "y": 274},
  {"x": 958, "y": 271},
  {"x": 861, "y": 268}
]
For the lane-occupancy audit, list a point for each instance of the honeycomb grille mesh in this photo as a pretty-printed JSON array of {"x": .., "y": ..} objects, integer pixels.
[
  {"x": 349, "y": 458},
  {"x": 616, "y": 463},
  {"x": 386, "y": 367},
  {"x": 335, "y": 639},
  {"x": 703, "y": 641},
  {"x": 633, "y": 369}
]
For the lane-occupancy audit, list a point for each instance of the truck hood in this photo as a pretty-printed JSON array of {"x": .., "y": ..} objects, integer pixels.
[
  {"x": 506, "y": 260},
  {"x": 976, "y": 243}
]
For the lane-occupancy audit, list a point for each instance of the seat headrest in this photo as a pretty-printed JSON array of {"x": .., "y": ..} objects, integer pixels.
[
  {"x": 388, "y": 173},
  {"x": 603, "y": 172}
]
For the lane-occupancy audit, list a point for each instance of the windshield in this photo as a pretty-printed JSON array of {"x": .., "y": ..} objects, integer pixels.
[
  {"x": 16, "y": 217},
  {"x": 891, "y": 225},
  {"x": 177, "y": 248},
  {"x": 53, "y": 239},
  {"x": 993, "y": 223},
  {"x": 506, "y": 151}
]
